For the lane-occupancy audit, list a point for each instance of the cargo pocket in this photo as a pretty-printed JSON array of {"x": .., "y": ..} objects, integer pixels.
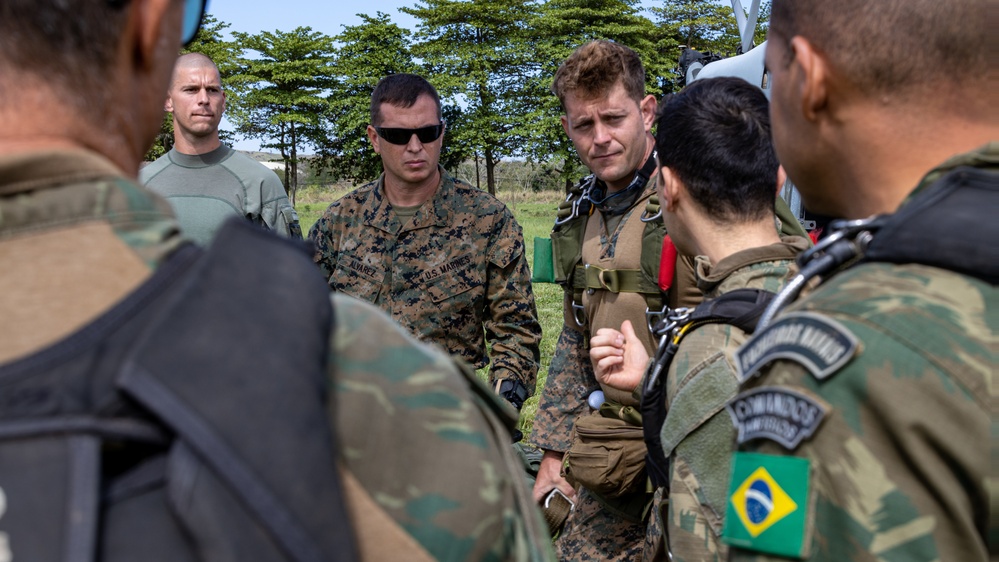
[
  {"x": 607, "y": 456},
  {"x": 458, "y": 295}
]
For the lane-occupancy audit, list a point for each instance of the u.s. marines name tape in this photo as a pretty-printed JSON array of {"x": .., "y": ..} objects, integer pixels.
[
  {"x": 820, "y": 344},
  {"x": 778, "y": 414},
  {"x": 457, "y": 263}
]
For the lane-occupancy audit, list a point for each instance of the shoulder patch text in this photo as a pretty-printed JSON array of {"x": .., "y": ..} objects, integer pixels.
[{"x": 816, "y": 342}]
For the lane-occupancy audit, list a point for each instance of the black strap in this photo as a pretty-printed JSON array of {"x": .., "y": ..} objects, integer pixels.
[
  {"x": 248, "y": 393},
  {"x": 951, "y": 225},
  {"x": 127, "y": 429},
  {"x": 741, "y": 308},
  {"x": 621, "y": 201}
]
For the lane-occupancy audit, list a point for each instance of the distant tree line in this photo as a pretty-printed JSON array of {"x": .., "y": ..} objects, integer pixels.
[{"x": 492, "y": 63}]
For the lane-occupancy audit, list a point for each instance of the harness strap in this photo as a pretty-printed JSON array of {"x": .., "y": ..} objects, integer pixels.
[
  {"x": 614, "y": 280},
  {"x": 741, "y": 308}
]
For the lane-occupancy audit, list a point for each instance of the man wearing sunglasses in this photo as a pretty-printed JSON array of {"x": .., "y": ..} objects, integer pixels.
[
  {"x": 446, "y": 260},
  {"x": 205, "y": 181},
  {"x": 162, "y": 402}
]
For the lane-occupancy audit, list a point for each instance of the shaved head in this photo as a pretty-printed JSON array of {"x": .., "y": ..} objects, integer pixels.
[
  {"x": 893, "y": 47},
  {"x": 193, "y": 61}
]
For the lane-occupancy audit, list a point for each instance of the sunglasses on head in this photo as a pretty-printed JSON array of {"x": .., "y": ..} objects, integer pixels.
[
  {"x": 402, "y": 136},
  {"x": 194, "y": 12}
]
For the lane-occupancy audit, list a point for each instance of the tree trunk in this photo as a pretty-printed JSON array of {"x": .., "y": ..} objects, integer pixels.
[
  {"x": 293, "y": 186},
  {"x": 490, "y": 171},
  {"x": 284, "y": 156},
  {"x": 478, "y": 179}
]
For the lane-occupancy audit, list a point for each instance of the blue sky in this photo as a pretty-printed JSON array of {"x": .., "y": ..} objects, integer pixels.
[{"x": 329, "y": 17}]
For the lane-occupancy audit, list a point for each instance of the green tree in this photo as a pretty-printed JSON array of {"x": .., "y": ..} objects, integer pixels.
[
  {"x": 561, "y": 26},
  {"x": 283, "y": 96},
  {"x": 369, "y": 51},
  {"x": 226, "y": 55},
  {"x": 476, "y": 54},
  {"x": 762, "y": 23}
]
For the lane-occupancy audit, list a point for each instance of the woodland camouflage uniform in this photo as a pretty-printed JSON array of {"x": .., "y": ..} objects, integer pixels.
[
  {"x": 399, "y": 406},
  {"x": 701, "y": 380},
  {"x": 898, "y": 467},
  {"x": 454, "y": 268}
]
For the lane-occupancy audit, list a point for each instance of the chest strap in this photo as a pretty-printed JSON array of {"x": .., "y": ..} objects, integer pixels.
[
  {"x": 591, "y": 276},
  {"x": 741, "y": 308}
]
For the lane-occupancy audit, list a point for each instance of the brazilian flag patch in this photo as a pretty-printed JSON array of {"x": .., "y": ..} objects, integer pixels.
[{"x": 768, "y": 504}]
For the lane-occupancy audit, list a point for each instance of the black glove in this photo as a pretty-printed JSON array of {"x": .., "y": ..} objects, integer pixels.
[{"x": 513, "y": 391}]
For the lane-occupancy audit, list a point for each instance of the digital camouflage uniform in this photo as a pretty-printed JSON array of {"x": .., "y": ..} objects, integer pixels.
[
  {"x": 455, "y": 274},
  {"x": 400, "y": 407},
  {"x": 592, "y": 532},
  {"x": 701, "y": 380},
  {"x": 887, "y": 454},
  {"x": 206, "y": 189}
]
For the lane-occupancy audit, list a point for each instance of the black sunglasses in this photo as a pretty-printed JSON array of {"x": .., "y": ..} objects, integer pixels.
[
  {"x": 194, "y": 12},
  {"x": 402, "y": 136}
]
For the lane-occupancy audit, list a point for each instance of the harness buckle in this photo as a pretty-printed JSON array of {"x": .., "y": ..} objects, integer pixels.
[
  {"x": 578, "y": 314},
  {"x": 654, "y": 317},
  {"x": 609, "y": 280},
  {"x": 573, "y": 213}
]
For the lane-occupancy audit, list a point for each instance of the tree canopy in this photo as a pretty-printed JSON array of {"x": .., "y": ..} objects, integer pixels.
[
  {"x": 285, "y": 92},
  {"x": 492, "y": 63}
]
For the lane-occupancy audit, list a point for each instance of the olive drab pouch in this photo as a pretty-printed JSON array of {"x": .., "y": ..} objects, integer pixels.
[
  {"x": 153, "y": 434},
  {"x": 543, "y": 270},
  {"x": 607, "y": 456},
  {"x": 291, "y": 219}
]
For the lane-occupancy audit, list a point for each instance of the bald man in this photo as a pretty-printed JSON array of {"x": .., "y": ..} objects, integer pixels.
[{"x": 205, "y": 181}]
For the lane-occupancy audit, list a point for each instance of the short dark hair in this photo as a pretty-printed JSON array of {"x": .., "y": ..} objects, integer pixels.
[
  {"x": 68, "y": 45},
  {"x": 594, "y": 68},
  {"x": 715, "y": 136},
  {"x": 401, "y": 90},
  {"x": 894, "y": 46}
]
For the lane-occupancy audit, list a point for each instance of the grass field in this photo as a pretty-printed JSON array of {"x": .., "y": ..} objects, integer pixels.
[{"x": 535, "y": 212}]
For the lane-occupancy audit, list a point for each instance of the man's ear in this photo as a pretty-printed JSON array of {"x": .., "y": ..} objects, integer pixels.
[
  {"x": 670, "y": 189},
  {"x": 814, "y": 77},
  {"x": 150, "y": 21},
  {"x": 373, "y": 138},
  {"x": 781, "y": 178},
  {"x": 565, "y": 125},
  {"x": 648, "y": 107}
]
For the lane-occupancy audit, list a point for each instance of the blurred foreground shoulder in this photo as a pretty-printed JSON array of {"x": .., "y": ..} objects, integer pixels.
[{"x": 427, "y": 442}]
